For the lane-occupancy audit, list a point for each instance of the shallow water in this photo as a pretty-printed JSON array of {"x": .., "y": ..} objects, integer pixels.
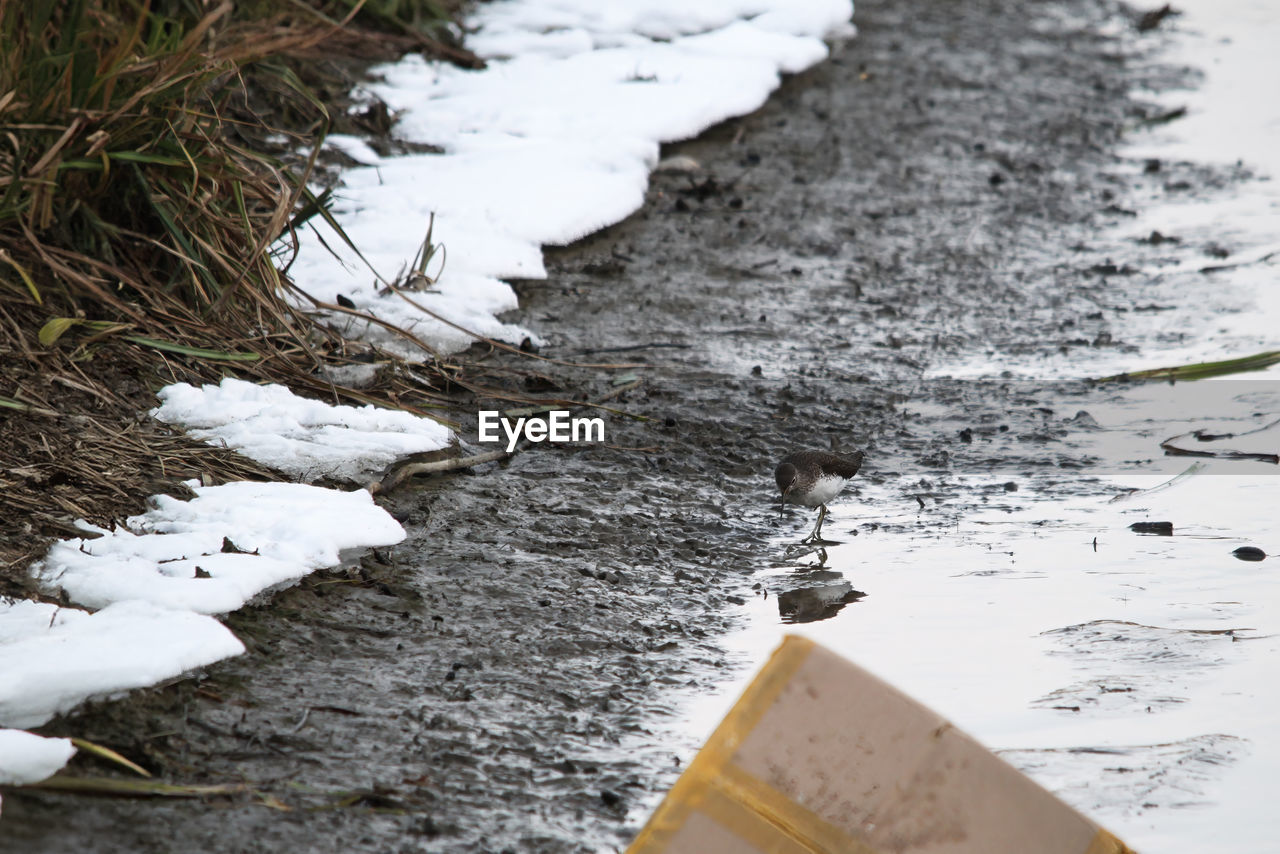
[
  {"x": 1132, "y": 673},
  {"x": 1103, "y": 661}
]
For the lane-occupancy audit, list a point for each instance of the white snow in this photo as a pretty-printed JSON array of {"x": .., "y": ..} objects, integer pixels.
[
  {"x": 52, "y": 659},
  {"x": 553, "y": 140},
  {"x": 282, "y": 531},
  {"x": 306, "y": 439},
  {"x": 28, "y": 758},
  {"x": 155, "y": 579}
]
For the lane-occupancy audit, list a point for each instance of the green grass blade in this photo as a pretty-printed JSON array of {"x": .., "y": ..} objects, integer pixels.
[
  {"x": 125, "y": 157},
  {"x": 10, "y": 403},
  {"x": 188, "y": 251},
  {"x": 24, "y": 275},
  {"x": 198, "y": 352},
  {"x": 110, "y": 755},
  {"x": 1201, "y": 370},
  {"x": 134, "y": 788},
  {"x": 54, "y": 328}
]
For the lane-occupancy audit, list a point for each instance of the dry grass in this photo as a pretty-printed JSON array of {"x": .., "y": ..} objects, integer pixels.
[{"x": 142, "y": 216}]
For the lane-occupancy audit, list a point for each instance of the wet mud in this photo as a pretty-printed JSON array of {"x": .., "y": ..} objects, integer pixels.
[{"x": 511, "y": 677}]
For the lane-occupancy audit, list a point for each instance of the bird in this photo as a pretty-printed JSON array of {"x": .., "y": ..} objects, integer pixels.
[{"x": 812, "y": 478}]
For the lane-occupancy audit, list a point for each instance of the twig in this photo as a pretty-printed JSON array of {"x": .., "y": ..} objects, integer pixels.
[
  {"x": 1218, "y": 268},
  {"x": 370, "y": 318},
  {"x": 652, "y": 346},
  {"x": 398, "y": 474},
  {"x": 306, "y": 713}
]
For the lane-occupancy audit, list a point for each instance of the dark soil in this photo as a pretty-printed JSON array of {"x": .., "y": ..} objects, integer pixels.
[{"x": 511, "y": 677}]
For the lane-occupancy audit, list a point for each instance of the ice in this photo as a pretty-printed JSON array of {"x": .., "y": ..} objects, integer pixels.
[
  {"x": 216, "y": 552},
  {"x": 52, "y": 659},
  {"x": 306, "y": 439},
  {"x": 28, "y": 758}
]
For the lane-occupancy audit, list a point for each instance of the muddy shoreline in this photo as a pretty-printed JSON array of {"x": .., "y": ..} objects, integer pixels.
[{"x": 511, "y": 677}]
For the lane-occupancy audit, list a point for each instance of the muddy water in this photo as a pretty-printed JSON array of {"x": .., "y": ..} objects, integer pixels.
[
  {"x": 532, "y": 668},
  {"x": 1116, "y": 642}
]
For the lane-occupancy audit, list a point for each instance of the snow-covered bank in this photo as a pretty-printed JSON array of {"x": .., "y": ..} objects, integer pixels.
[
  {"x": 157, "y": 578},
  {"x": 554, "y": 140}
]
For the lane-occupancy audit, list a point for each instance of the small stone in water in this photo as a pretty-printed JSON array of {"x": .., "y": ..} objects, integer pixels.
[{"x": 1252, "y": 553}]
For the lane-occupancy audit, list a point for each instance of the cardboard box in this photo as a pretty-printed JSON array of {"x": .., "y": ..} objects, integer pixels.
[{"x": 820, "y": 756}]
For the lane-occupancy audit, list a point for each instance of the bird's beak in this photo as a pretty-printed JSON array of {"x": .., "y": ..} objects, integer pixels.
[{"x": 782, "y": 504}]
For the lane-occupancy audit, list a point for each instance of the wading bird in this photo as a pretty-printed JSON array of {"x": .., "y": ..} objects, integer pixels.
[{"x": 812, "y": 478}]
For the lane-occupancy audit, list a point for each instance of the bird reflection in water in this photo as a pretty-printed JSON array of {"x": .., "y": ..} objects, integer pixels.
[{"x": 817, "y": 601}]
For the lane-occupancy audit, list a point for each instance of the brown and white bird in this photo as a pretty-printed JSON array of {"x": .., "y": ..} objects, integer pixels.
[{"x": 812, "y": 478}]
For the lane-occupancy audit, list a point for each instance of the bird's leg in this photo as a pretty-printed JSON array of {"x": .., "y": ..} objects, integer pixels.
[{"x": 817, "y": 529}]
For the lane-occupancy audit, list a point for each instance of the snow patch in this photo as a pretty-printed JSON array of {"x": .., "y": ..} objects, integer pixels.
[
  {"x": 216, "y": 552},
  {"x": 28, "y": 758},
  {"x": 52, "y": 659},
  {"x": 306, "y": 439}
]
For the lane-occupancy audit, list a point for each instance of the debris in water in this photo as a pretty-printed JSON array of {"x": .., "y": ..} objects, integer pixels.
[
  {"x": 1161, "y": 529},
  {"x": 1200, "y": 370},
  {"x": 1259, "y": 444},
  {"x": 1155, "y": 238},
  {"x": 678, "y": 163},
  {"x": 1250, "y": 553},
  {"x": 1152, "y": 18},
  {"x": 1084, "y": 421},
  {"x": 1163, "y": 118}
]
